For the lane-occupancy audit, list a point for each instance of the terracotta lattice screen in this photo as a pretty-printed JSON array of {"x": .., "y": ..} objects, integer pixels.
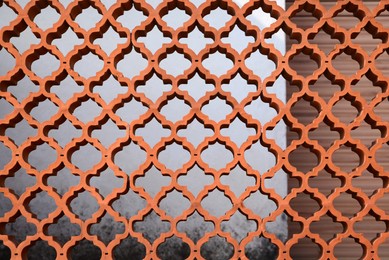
[{"x": 171, "y": 129}]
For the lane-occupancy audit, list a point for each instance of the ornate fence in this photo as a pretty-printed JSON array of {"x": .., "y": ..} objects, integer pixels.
[{"x": 157, "y": 130}]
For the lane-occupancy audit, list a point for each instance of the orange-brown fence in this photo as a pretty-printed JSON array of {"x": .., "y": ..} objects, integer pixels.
[{"x": 154, "y": 130}]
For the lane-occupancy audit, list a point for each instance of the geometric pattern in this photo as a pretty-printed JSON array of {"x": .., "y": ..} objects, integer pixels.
[{"x": 150, "y": 129}]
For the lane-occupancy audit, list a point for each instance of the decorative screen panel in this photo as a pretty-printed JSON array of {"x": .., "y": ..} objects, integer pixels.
[
  {"x": 157, "y": 130},
  {"x": 342, "y": 110}
]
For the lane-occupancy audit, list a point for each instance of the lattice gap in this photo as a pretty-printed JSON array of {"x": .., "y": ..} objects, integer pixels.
[{"x": 194, "y": 129}]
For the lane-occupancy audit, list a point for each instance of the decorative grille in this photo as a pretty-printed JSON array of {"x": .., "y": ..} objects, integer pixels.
[{"x": 155, "y": 129}]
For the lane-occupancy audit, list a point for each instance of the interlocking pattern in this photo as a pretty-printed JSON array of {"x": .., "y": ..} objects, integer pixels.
[{"x": 145, "y": 129}]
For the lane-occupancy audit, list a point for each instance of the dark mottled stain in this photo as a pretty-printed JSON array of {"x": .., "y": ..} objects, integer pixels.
[{"x": 5, "y": 253}]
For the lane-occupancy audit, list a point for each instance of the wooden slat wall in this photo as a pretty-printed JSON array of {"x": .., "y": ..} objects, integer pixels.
[{"x": 346, "y": 160}]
